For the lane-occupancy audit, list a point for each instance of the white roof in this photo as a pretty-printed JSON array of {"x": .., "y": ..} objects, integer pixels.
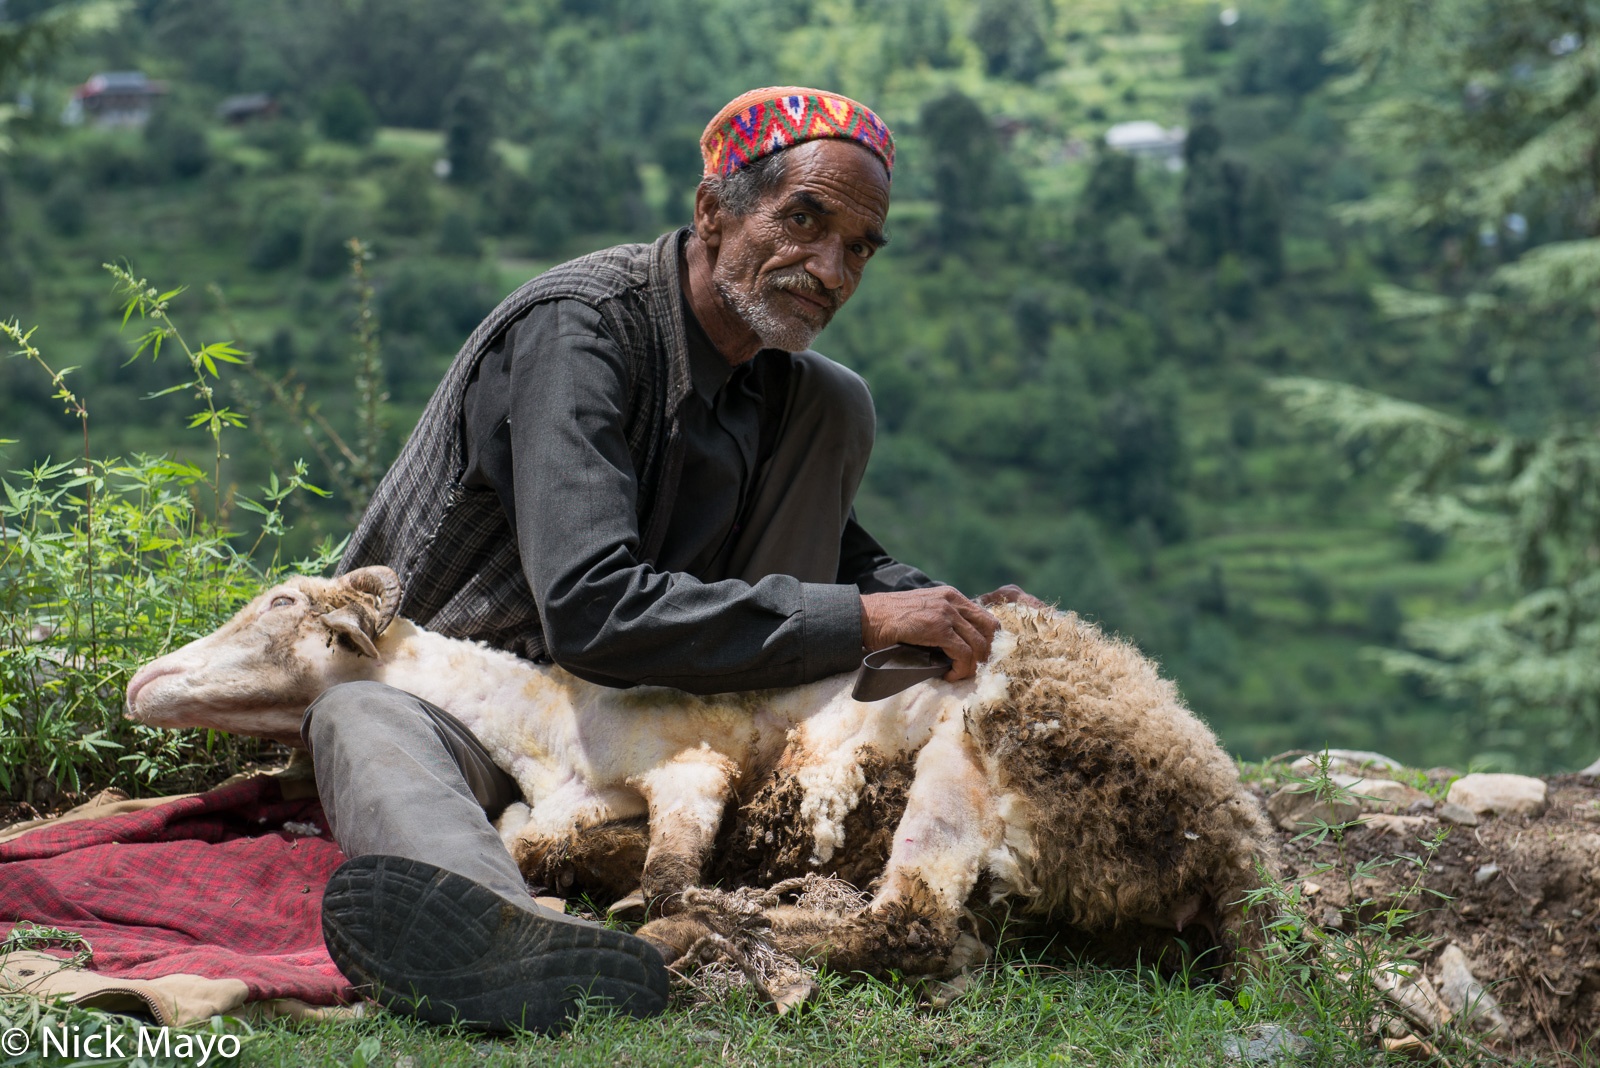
[{"x": 1142, "y": 134}]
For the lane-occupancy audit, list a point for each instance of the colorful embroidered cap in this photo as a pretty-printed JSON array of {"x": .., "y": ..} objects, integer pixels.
[{"x": 763, "y": 121}]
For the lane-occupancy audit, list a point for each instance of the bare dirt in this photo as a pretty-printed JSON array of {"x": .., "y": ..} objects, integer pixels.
[{"x": 1522, "y": 901}]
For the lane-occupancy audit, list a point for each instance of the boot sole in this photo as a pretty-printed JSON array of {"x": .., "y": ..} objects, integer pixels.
[{"x": 435, "y": 945}]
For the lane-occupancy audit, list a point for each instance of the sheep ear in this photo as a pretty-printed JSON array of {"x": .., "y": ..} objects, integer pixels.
[{"x": 351, "y": 623}]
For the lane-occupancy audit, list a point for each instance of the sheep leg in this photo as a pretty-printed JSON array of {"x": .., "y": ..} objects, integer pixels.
[
  {"x": 577, "y": 839},
  {"x": 949, "y": 828},
  {"x": 686, "y": 798}
]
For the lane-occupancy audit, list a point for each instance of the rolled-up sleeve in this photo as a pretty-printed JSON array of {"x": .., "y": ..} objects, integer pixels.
[{"x": 608, "y": 616}]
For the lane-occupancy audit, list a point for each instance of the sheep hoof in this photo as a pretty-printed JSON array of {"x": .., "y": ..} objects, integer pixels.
[
  {"x": 940, "y": 994},
  {"x": 630, "y": 907},
  {"x": 790, "y": 996},
  {"x": 969, "y": 952}
]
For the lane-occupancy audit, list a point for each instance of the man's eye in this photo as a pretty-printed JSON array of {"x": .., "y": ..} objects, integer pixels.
[{"x": 801, "y": 218}]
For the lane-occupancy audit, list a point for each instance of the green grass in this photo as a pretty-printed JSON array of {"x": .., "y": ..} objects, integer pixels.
[{"x": 1017, "y": 1012}]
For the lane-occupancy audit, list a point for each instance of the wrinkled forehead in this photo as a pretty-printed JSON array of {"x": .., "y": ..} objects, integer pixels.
[{"x": 842, "y": 178}]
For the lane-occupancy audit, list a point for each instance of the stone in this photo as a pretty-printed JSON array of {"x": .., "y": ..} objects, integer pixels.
[
  {"x": 1386, "y": 794},
  {"x": 1466, "y": 997},
  {"x": 1269, "y": 1044},
  {"x": 1485, "y": 873},
  {"x": 1419, "y": 1049},
  {"x": 1441, "y": 774},
  {"x": 1401, "y": 826},
  {"x": 1409, "y": 989},
  {"x": 1459, "y": 815},
  {"x": 1589, "y": 810},
  {"x": 1295, "y": 808},
  {"x": 1500, "y": 795},
  {"x": 1346, "y": 760},
  {"x": 1592, "y": 771}
]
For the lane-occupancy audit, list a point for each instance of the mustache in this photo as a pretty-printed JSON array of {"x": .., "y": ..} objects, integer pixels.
[{"x": 804, "y": 280}]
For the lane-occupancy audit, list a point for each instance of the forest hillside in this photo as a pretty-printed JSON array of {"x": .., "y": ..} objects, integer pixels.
[{"x": 1090, "y": 360}]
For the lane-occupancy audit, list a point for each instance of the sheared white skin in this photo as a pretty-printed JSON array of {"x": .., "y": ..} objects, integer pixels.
[{"x": 584, "y": 755}]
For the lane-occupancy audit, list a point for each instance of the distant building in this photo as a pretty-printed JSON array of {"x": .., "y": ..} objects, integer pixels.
[
  {"x": 1148, "y": 139},
  {"x": 118, "y": 98},
  {"x": 237, "y": 110}
]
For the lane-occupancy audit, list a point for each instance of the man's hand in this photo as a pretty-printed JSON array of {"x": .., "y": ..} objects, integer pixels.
[
  {"x": 939, "y": 617},
  {"x": 1012, "y": 595}
]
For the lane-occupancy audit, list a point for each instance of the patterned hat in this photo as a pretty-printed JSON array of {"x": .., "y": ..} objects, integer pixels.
[{"x": 762, "y": 121}]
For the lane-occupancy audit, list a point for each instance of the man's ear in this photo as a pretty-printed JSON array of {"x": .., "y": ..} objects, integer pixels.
[
  {"x": 708, "y": 216},
  {"x": 354, "y": 624}
]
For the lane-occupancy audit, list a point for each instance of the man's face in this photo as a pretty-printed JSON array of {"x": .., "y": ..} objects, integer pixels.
[{"x": 788, "y": 265}]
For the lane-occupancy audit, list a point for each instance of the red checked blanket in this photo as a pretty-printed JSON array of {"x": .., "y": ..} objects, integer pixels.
[{"x": 225, "y": 884}]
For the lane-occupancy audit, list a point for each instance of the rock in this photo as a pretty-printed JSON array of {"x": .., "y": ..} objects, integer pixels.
[
  {"x": 1485, "y": 873},
  {"x": 1466, "y": 997},
  {"x": 1402, "y": 826},
  {"x": 1422, "y": 804},
  {"x": 1332, "y": 918},
  {"x": 1441, "y": 774},
  {"x": 1346, "y": 760},
  {"x": 1271, "y": 1044},
  {"x": 1592, "y": 772},
  {"x": 1588, "y": 811},
  {"x": 1411, "y": 1046},
  {"x": 1500, "y": 795},
  {"x": 1459, "y": 815},
  {"x": 1386, "y": 794},
  {"x": 1295, "y": 808},
  {"x": 1408, "y": 988}
]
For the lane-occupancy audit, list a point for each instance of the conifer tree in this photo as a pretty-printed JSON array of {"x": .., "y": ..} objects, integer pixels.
[{"x": 1502, "y": 102}]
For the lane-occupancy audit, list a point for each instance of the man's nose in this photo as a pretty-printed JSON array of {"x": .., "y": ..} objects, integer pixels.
[{"x": 826, "y": 264}]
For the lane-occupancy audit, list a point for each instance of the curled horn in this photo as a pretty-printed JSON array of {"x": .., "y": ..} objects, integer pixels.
[{"x": 383, "y": 584}]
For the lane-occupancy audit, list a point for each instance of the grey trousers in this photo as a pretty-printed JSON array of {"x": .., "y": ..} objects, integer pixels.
[
  {"x": 399, "y": 776},
  {"x": 810, "y": 482}
]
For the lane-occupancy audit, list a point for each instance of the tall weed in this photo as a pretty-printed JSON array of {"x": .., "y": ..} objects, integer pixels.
[{"x": 107, "y": 563}]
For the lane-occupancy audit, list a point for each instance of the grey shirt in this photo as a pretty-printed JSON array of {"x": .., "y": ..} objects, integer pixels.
[{"x": 544, "y": 430}]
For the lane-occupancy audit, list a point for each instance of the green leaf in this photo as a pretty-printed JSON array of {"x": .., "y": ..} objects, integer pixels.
[{"x": 223, "y": 350}]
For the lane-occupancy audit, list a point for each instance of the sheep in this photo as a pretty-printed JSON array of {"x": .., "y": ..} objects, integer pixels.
[{"x": 1065, "y": 782}]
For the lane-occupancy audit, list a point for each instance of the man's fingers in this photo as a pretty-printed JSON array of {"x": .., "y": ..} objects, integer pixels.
[
  {"x": 1011, "y": 594},
  {"x": 985, "y": 623},
  {"x": 977, "y": 637},
  {"x": 972, "y": 646}
]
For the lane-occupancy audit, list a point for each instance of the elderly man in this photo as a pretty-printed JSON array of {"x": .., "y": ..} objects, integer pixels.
[{"x": 638, "y": 469}]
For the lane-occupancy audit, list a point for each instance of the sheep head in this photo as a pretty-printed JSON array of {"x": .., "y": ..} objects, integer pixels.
[{"x": 259, "y": 671}]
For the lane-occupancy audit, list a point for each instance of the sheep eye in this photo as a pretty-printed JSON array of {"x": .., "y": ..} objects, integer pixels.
[{"x": 280, "y": 602}]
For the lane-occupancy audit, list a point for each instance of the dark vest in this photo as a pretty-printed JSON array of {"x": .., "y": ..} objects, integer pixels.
[{"x": 451, "y": 546}]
